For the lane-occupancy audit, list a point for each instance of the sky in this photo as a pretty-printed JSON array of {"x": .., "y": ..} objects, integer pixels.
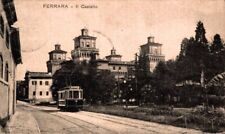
[{"x": 124, "y": 24}]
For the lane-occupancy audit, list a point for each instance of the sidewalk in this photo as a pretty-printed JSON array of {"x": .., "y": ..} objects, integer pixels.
[{"x": 22, "y": 122}]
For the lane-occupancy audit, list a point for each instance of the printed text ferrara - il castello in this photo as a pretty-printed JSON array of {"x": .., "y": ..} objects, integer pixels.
[{"x": 62, "y": 5}]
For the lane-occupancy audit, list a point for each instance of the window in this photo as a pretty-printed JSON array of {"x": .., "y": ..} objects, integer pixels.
[
  {"x": 40, "y": 82},
  {"x": 34, "y": 93},
  {"x": 1, "y": 26},
  {"x": 1, "y": 67},
  {"x": 54, "y": 56},
  {"x": 114, "y": 68},
  {"x": 87, "y": 44},
  {"x": 34, "y": 82},
  {"x": 70, "y": 94},
  {"x": 6, "y": 72},
  {"x": 63, "y": 95},
  {"x": 82, "y": 44},
  {"x": 119, "y": 68},
  {"x": 60, "y": 95},
  {"x": 46, "y": 93},
  {"x": 75, "y": 94},
  {"x": 7, "y": 38},
  {"x": 46, "y": 83},
  {"x": 40, "y": 93}
]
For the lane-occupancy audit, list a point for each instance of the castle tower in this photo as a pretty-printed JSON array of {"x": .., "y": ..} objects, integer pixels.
[
  {"x": 153, "y": 51},
  {"x": 113, "y": 56},
  {"x": 56, "y": 57},
  {"x": 84, "y": 47}
]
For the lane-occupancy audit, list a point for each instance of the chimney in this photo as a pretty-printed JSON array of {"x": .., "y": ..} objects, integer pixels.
[
  {"x": 150, "y": 39},
  {"x": 84, "y": 31},
  {"x": 57, "y": 47}
]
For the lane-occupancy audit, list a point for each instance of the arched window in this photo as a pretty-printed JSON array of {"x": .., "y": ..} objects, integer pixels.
[
  {"x": 1, "y": 67},
  {"x": 6, "y": 72}
]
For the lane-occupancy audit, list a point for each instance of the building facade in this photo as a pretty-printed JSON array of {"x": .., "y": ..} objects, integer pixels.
[
  {"x": 36, "y": 87},
  {"x": 56, "y": 57},
  {"x": 10, "y": 56},
  {"x": 39, "y": 86},
  {"x": 153, "y": 53},
  {"x": 84, "y": 47},
  {"x": 113, "y": 63}
]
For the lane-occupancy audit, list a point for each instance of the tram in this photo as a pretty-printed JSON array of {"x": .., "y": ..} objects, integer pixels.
[{"x": 70, "y": 98}]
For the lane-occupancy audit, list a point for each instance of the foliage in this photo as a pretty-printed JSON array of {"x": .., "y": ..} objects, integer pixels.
[
  {"x": 164, "y": 80},
  {"x": 212, "y": 120},
  {"x": 194, "y": 55},
  {"x": 142, "y": 77},
  {"x": 97, "y": 85},
  {"x": 198, "y": 61},
  {"x": 217, "y": 44}
]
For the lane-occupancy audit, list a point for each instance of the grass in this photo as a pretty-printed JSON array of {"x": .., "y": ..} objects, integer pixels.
[{"x": 211, "y": 120}]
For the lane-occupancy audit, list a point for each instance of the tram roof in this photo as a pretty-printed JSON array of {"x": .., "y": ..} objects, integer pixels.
[{"x": 74, "y": 88}]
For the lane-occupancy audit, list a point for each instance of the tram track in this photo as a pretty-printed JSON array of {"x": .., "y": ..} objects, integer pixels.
[{"x": 90, "y": 128}]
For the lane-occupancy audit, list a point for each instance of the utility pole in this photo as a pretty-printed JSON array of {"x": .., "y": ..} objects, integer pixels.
[
  {"x": 202, "y": 82},
  {"x": 136, "y": 73}
]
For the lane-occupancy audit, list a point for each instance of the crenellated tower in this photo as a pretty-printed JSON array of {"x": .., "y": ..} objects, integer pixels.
[{"x": 56, "y": 57}]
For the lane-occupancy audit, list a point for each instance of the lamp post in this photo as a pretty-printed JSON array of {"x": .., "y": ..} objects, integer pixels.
[{"x": 126, "y": 92}]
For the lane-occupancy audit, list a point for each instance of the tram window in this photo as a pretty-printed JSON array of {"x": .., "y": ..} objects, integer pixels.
[
  {"x": 70, "y": 94},
  {"x": 65, "y": 94},
  {"x": 60, "y": 96},
  {"x": 75, "y": 94}
]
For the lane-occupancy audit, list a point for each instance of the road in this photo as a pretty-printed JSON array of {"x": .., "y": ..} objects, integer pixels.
[{"x": 52, "y": 121}]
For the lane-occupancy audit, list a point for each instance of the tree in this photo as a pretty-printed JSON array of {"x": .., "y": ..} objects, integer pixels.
[
  {"x": 142, "y": 76},
  {"x": 217, "y": 44},
  {"x": 97, "y": 84},
  {"x": 194, "y": 56},
  {"x": 200, "y": 33},
  {"x": 216, "y": 62},
  {"x": 188, "y": 54},
  {"x": 183, "y": 47},
  {"x": 164, "y": 80}
]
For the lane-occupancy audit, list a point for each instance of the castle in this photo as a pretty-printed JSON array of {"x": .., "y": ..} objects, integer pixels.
[{"x": 39, "y": 83}]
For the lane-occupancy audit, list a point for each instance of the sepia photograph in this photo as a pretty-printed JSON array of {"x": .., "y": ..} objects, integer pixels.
[{"x": 112, "y": 66}]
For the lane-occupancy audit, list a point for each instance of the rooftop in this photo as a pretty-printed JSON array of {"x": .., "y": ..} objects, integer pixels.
[
  {"x": 86, "y": 37},
  {"x": 57, "y": 49},
  {"x": 152, "y": 44},
  {"x": 38, "y": 74},
  {"x": 121, "y": 62}
]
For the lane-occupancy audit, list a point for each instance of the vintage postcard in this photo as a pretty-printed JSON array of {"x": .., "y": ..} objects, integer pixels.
[{"x": 112, "y": 66}]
